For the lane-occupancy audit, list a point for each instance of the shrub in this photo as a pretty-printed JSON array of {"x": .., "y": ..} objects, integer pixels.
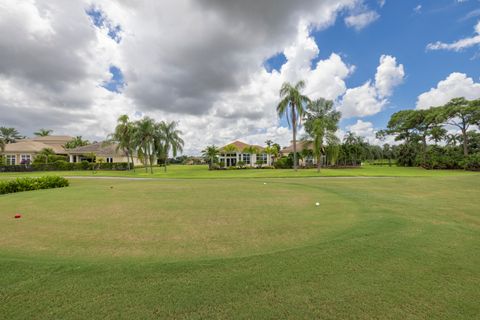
[
  {"x": 29, "y": 184},
  {"x": 472, "y": 162},
  {"x": 284, "y": 163}
]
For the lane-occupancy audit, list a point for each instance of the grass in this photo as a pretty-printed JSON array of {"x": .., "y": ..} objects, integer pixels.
[
  {"x": 202, "y": 172},
  {"x": 389, "y": 248}
]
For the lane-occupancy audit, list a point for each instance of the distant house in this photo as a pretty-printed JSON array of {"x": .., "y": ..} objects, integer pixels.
[
  {"x": 232, "y": 158},
  {"x": 106, "y": 151},
  {"x": 24, "y": 151},
  {"x": 306, "y": 158}
]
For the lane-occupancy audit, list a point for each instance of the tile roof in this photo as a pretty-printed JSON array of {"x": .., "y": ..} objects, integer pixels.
[
  {"x": 241, "y": 145},
  {"x": 99, "y": 148}
]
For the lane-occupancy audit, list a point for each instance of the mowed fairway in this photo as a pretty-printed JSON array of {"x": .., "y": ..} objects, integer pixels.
[{"x": 386, "y": 248}]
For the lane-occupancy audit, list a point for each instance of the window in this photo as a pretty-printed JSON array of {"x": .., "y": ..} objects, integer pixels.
[
  {"x": 109, "y": 160},
  {"x": 11, "y": 160},
  {"x": 262, "y": 158},
  {"x": 25, "y": 159},
  {"x": 246, "y": 158}
]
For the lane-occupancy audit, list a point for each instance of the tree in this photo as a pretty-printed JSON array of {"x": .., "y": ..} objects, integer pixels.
[
  {"x": 2, "y": 145},
  {"x": 269, "y": 143},
  {"x": 45, "y": 154},
  {"x": 124, "y": 137},
  {"x": 251, "y": 150},
  {"x": 292, "y": 106},
  {"x": 145, "y": 134},
  {"x": 169, "y": 134},
  {"x": 228, "y": 149},
  {"x": 462, "y": 114},
  {"x": 210, "y": 152},
  {"x": 9, "y": 135},
  {"x": 43, "y": 132},
  {"x": 321, "y": 123},
  {"x": 76, "y": 142}
]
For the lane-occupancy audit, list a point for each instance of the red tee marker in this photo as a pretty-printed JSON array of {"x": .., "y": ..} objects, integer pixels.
[{"x": 18, "y": 216}]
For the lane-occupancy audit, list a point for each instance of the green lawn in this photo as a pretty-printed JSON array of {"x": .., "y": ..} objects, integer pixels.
[
  {"x": 387, "y": 248},
  {"x": 202, "y": 172}
]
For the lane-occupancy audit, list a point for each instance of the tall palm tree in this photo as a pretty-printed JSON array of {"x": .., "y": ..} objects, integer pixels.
[
  {"x": 169, "y": 134},
  {"x": 9, "y": 135},
  {"x": 145, "y": 132},
  {"x": 76, "y": 142},
  {"x": 43, "y": 132},
  {"x": 124, "y": 137},
  {"x": 321, "y": 123},
  {"x": 210, "y": 152},
  {"x": 251, "y": 150},
  {"x": 228, "y": 149},
  {"x": 292, "y": 106}
]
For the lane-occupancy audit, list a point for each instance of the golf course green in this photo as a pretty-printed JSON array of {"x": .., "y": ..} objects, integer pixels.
[{"x": 399, "y": 244}]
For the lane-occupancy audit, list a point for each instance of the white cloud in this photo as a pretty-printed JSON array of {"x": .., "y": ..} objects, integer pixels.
[
  {"x": 361, "y": 20},
  {"x": 460, "y": 44},
  {"x": 418, "y": 9},
  {"x": 370, "y": 98},
  {"x": 454, "y": 86},
  {"x": 389, "y": 75}
]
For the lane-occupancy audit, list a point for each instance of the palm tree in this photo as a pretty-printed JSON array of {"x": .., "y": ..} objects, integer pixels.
[
  {"x": 210, "y": 152},
  {"x": 228, "y": 149},
  {"x": 168, "y": 138},
  {"x": 2, "y": 145},
  {"x": 9, "y": 135},
  {"x": 321, "y": 123},
  {"x": 76, "y": 142},
  {"x": 124, "y": 137},
  {"x": 43, "y": 132},
  {"x": 251, "y": 150},
  {"x": 145, "y": 133},
  {"x": 292, "y": 106},
  {"x": 46, "y": 153}
]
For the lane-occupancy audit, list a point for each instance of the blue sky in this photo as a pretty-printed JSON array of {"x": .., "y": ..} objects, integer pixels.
[{"x": 403, "y": 30}]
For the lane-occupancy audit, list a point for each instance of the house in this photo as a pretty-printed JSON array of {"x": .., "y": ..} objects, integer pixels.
[
  {"x": 25, "y": 150},
  {"x": 235, "y": 152},
  {"x": 108, "y": 152},
  {"x": 305, "y": 150}
]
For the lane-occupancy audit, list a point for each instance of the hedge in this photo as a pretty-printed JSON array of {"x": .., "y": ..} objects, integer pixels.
[
  {"x": 29, "y": 184},
  {"x": 61, "y": 165}
]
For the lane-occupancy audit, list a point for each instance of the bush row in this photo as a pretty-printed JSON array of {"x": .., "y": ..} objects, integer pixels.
[
  {"x": 61, "y": 165},
  {"x": 29, "y": 184},
  {"x": 446, "y": 158}
]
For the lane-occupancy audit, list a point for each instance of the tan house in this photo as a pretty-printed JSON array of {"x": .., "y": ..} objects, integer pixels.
[
  {"x": 101, "y": 150},
  {"x": 232, "y": 158},
  {"x": 309, "y": 159},
  {"x": 25, "y": 150}
]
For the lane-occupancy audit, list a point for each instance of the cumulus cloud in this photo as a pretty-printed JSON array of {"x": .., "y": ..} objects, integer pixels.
[
  {"x": 460, "y": 44},
  {"x": 454, "y": 86},
  {"x": 361, "y": 20},
  {"x": 371, "y": 97}
]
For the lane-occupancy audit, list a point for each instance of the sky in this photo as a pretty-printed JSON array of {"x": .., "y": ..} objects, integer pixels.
[{"x": 216, "y": 66}]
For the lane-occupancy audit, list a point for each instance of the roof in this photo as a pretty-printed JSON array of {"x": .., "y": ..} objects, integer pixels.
[
  {"x": 103, "y": 149},
  {"x": 53, "y": 139},
  {"x": 241, "y": 145},
  {"x": 31, "y": 146},
  {"x": 300, "y": 146}
]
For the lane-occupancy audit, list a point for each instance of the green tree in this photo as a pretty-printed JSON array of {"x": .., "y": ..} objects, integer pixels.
[
  {"x": 321, "y": 123},
  {"x": 169, "y": 135},
  {"x": 10, "y": 135},
  {"x": 292, "y": 106},
  {"x": 228, "y": 149},
  {"x": 46, "y": 154},
  {"x": 2, "y": 144},
  {"x": 76, "y": 142},
  {"x": 210, "y": 153},
  {"x": 462, "y": 114},
  {"x": 43, "y": 132},
  {"x": 124, "y": 137},
  {"x": 145, "y": 135},
  {"x": 251, "y": 150}
]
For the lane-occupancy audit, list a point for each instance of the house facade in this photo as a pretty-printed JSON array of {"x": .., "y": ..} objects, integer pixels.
[
  {"x": 25, "y": 150},
  {"x": 305, "y": 151},
  {"x": 237, "y": 152},
  {"x": 101, "y": 150}
]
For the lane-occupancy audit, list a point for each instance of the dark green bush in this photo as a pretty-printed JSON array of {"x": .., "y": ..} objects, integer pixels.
[
  {"x": 61, "y": 165},
  {"x": 471, "y": 162},
  {"x": 283, "y": 163},
  {"x": 29, "y": 184}
]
